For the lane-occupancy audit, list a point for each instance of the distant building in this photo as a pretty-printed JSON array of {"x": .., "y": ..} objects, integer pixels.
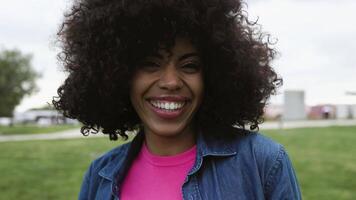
[
  {"x": 326, "y": 111},
  {"x": 5, "y": 121},
  {"x": 353, "y": 111},
  {"x": 42, "y": 117},
  {"x": 345, "y": 111},
  {"x": 294, "y": 105}
]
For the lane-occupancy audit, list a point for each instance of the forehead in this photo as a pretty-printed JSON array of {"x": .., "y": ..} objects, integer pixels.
[{"x": 181, "y": 47}]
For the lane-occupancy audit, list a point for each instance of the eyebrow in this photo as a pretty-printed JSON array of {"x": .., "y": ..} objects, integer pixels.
[{"x": 185, "y": 56}]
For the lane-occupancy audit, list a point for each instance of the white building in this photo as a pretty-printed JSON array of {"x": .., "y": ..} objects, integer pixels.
[
  {"x": 294, "y": 105},
  {"x": 346, "y": 111},
  {"x": 42, "y": 117}
]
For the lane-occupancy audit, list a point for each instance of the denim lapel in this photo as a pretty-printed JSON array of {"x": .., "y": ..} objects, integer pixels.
[{"x": 211, "y": 146}]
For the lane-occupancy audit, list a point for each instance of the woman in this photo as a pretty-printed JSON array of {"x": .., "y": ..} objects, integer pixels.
[{"x": 190, "y": 75}]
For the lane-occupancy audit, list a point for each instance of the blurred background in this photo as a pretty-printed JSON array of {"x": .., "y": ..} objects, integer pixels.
[{"x": 313, "y": 115}]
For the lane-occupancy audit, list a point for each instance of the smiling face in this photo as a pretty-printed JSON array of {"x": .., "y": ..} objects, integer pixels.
[{"x": 167, "y": 90}]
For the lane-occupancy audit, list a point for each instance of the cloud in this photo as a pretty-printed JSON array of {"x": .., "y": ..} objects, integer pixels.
[{"x": 317, "y": 45}]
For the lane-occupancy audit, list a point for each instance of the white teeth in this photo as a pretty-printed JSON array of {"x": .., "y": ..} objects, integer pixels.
[{"x": 167, "y": 105}]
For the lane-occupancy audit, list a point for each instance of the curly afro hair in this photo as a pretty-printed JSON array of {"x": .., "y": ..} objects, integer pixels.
[{"x": 102, "y": 40}]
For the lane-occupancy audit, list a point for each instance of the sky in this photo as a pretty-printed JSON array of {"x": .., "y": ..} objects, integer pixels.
[{"x": 315, "y": 40}]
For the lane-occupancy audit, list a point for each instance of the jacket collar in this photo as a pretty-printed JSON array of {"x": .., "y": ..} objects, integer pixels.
[
  {"x": 211, "y": 146},
  {"x": 206, "y": 146},
  {"x": 214, "y": 146},
  {"x": 115, "y": 163},
  {"x": 121, "y": 158}
]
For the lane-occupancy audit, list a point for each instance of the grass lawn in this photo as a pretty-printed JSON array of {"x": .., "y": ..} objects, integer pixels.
[
  {"x": 31, "y": 129},
  {"x": 324, "y": 159},
  {"x": 50, "y": 169}
]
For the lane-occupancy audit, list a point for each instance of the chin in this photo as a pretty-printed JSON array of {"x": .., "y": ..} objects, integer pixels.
[{"x": 167, "y": 131}]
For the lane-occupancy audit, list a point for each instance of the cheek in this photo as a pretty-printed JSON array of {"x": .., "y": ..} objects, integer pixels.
[
  {"x": 139, "y": 85},
  {"x": 135, "y": 90},
  {"x": 197, "y": 86}
]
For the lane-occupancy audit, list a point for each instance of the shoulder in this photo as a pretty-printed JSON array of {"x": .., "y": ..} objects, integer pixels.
[
  {"x": 258, "y": 151},
  {"x": 252, "y": 148},
  {"x": 260, "y": 145},
  {"x": 265, "y": 152},
  {"x": 262, "y": 150},
  {"x": 273, "y": 164},
  {"x": 246, "y": 142}
]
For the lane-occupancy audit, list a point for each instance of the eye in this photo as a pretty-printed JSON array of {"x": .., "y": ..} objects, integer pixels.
[
  {"x": 192, "y": 67},
  {"x": 149, "y": 66}
]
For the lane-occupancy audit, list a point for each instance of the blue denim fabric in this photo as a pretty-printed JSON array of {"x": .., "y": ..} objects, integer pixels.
[{"x": 249, "y": 167}]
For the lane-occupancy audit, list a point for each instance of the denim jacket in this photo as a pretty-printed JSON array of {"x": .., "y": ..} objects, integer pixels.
[{"x": 248, "y": 166}]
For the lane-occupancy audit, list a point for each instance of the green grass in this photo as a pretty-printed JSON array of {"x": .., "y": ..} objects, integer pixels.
[
  {"x": 32, "y": 129},
  {"x": 324, "y": 159},
  {"x": 47, "y": 169}
]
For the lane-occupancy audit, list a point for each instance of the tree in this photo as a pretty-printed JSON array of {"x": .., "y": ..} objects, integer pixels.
[{"x": 17, "y": 79}]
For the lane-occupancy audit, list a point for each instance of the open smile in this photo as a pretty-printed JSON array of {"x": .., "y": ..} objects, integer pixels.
[{"x": 168, "y": 107}]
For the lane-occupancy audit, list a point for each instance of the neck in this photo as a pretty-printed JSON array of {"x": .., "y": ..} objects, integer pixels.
[{"x": 169, "y": 145}]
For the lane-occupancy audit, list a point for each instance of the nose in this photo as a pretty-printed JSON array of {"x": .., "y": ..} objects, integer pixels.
[{"x": 170, "y": 79}]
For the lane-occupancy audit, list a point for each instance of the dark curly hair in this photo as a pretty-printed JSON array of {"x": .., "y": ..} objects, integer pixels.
[{"x": 102, "y": 40}]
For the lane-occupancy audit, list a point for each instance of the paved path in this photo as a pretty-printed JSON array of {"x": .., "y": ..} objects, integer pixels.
[
  {"x": 75, "y": 133},
  {"x": 307, "y": 123}
]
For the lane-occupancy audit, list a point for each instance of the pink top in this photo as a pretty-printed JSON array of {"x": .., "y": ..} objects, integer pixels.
[{"x": 157, "y": 177}]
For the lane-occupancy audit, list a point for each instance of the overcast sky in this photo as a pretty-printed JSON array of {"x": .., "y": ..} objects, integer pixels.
[{"x": 316, "y": 41}]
